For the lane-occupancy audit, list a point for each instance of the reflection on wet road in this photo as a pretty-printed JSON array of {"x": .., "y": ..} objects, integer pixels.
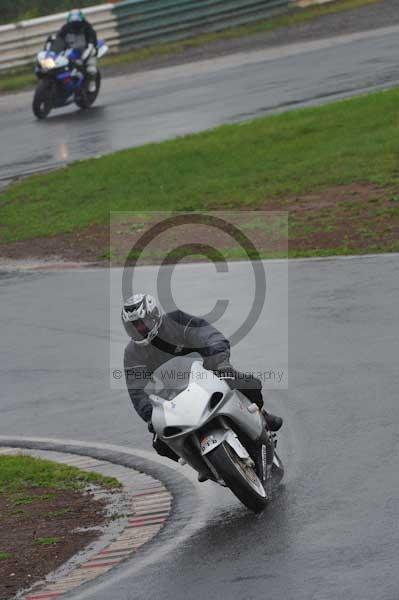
[{"x": 158, "y": 105}]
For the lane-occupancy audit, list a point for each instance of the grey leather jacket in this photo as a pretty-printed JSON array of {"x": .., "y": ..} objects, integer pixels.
[{"x": 178, "y": 335}]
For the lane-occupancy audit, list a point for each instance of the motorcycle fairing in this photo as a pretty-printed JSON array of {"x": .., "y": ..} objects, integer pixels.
[
  {"x": 191, "y": 409},
  {"x": 59, "y": 60},
  {"x": 73, "y": 54},
  {"x": 202, "y": 384},
  {"x": 102, "y": 48}
]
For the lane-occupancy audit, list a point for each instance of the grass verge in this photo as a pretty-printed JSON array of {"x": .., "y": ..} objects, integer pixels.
[
  {"x": 18, "y": 473},
  {"x": 47, "y": 514},
  {"x": 5, "y": 555},
  {"x": 334, "y": 169},
  {"x": 23, "y": 78},
  {"x": 49, "y": 541}
]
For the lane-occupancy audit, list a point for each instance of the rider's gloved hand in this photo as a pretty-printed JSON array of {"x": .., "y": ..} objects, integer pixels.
[
  {"x": 220, "y": 365},
  {"x": 88, "y": 52},
  {"x": 212, "y": 363},
  {"x": 225, "y": 371}
]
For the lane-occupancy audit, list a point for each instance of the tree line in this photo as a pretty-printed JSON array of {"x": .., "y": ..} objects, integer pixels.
[{"x": 12, "y": 11}]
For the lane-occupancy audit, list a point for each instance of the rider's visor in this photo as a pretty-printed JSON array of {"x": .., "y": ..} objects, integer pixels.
[{"x": 142, "y": 328}]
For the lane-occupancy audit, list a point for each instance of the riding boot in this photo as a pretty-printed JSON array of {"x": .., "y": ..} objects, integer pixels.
[
  {"x": 273, "y": 422},
  {"x": 163, "y": 449},
  {"x": 92, "y": 83}
]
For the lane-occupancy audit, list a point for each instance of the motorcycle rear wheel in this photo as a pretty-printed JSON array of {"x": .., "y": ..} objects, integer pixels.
[
  {"x": 240, "y": 478},
  {"x": 42, "y": 100}
]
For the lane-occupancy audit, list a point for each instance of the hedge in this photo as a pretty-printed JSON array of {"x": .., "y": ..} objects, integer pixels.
[{"x": 12, "y": 11}]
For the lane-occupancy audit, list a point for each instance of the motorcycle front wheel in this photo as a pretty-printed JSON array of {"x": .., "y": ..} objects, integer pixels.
[
  {"x": 42, "y": 100},
  {"x": 239, "y": 477}
]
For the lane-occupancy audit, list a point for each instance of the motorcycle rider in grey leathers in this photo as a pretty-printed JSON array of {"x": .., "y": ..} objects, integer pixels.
[{"x": 157, "y": 337}]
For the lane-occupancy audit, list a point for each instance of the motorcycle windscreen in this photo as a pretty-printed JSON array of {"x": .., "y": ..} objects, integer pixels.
[
  {"x": 57, "y": 45},
  {"x": 187, "y": 389},
  {"x": 174, "y": 375}
]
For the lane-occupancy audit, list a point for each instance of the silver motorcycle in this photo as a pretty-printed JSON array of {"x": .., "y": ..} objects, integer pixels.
[{"x": 216, "y": 430}]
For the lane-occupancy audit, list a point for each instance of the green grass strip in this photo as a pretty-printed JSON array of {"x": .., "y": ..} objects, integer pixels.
[
  {"x": 49, "y": 541},
  {"x": 235, "y": 166},
  {"x": 20, "y": 472},
  {"x": 5, "y": 555}
]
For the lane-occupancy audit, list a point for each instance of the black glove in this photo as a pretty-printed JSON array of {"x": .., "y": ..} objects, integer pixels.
[
  {"x": 212, "y": 363},
  {"x": 225, "y": 371}
]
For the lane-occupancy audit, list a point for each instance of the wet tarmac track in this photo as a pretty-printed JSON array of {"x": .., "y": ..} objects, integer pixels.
[
  {"x": 160, "y": 104},
  {"x": 332, "y": 530}
]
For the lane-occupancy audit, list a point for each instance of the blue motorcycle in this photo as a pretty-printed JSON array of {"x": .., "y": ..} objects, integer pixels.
[{"x": 63, "y": 79}]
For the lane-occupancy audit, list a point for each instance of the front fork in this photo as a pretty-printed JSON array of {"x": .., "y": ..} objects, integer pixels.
[{"x": 264, "y": 456}]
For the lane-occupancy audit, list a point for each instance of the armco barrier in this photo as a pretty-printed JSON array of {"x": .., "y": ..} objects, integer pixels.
[
  {"x": 144, "y": 22},
  {"x": 135, "y": 23},
  {"x": 20, "y": 42}
]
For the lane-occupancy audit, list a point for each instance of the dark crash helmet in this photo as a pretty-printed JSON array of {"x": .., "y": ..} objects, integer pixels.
[
  {"x": 76, "y": 20},
  {"x": 141, "y": 318}
]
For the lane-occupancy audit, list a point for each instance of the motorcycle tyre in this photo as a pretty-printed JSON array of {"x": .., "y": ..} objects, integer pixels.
[
  {"x": 42, "y": 103},
  {"x": 224, "y": 460}
]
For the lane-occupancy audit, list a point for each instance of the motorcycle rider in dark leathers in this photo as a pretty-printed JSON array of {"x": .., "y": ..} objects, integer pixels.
[
  {"x": 78, "y": 33},
  {"x": 157, "y": 337}
]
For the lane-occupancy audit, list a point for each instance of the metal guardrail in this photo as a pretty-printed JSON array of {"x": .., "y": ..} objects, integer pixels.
[
  {"x": 144, "y": 22},
  {"x": 20, "y": 42},
  {"x": 136, "y": 23}
]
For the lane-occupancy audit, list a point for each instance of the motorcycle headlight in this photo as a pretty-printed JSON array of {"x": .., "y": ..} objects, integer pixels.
[{"x": 47, "y": 63}]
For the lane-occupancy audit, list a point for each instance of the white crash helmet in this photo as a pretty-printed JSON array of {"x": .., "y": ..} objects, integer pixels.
[
  {"x": 75, "y": 16},
  {"x": 141, "y": 318},
  {"x": 76, "y": 21}
]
